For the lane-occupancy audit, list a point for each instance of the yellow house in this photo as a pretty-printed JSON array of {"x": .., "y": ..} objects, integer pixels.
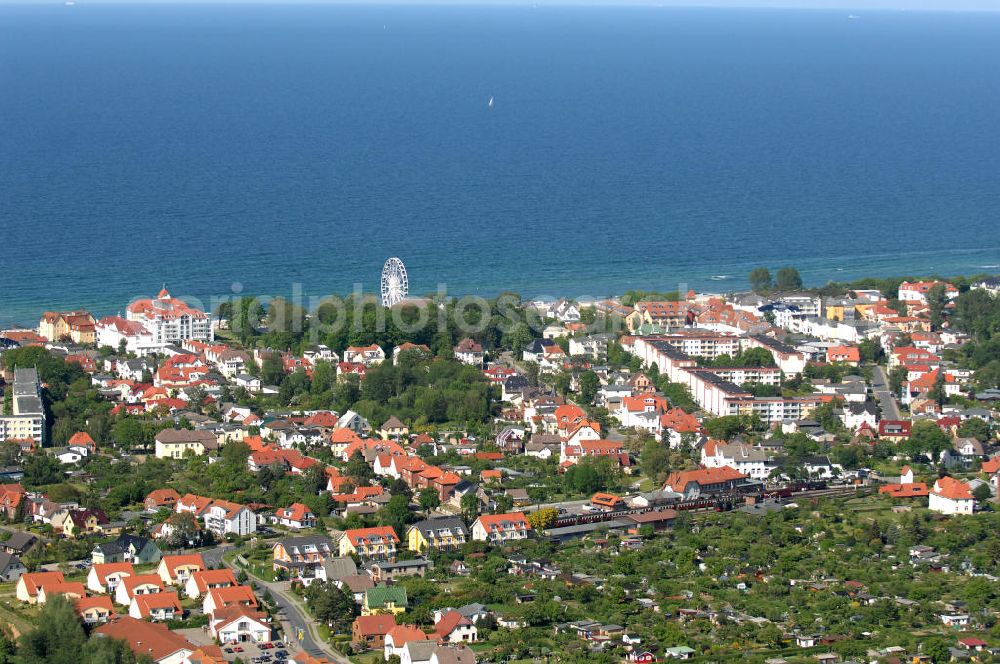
[
  {"x": 370, "y": 543},
  {"x": 29, "y": 585},
  {"x": 384, "y": 599},
  {"x": 444, "y": 534},
  {"x": 95, "y": 610},
  {"x": 393, "y": 428},
  {"x": 80, "y": 326},
  {"x": 835, "y": 310},
  {"x": 78, "y": 523},
  {"x": 176, "y": 443},
  {"x": 176, "y": 570}
]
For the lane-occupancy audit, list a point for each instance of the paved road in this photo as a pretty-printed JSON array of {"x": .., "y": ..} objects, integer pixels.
[
  {"x": 886, "y": 400},
  {"x": 293, "y": 615}
]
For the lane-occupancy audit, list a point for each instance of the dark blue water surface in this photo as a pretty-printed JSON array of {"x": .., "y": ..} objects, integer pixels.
[{"x": 271, "y": 145}]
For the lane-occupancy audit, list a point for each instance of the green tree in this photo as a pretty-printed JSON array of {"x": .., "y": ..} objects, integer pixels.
[
  {"x": 982, "y": 493},
  {"x": 58, "y": 639},
  {"x": 937, "y": 298},
  {"x": 760, "y": 279},
  {"x": 543, "y": 518},
  {"x": 272, "y": 369},
  {"x": 654, "y": 460},
  {"x": 469, "y": 505},
  {"x": 788, "y": 279},
  {"x": 330, "y": 605},
  {"x": 429, "y": 499},
  {"x": 723, "y": 428},
  {"x": 358, "y": 468},
  {"x": 589, "y": 385},
  {"x": 41, "y": 469},
  {"x": 975, "y": 427},
  {"x": 396, "y": 513},
  {"x": 926, "y": 437}
]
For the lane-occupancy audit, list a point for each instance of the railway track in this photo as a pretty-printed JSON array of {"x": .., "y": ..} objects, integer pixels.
[{"x": 722, "y": 503}]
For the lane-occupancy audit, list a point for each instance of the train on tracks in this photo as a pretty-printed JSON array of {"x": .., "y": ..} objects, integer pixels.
[{"x": 715, "y": 503}]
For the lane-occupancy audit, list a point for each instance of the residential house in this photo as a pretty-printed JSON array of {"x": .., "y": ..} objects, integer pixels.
[
  {"x": 469, "y": 352},
  {"x": 240, "y": 624},
  {"x": 176, "y": 443},
  {"x": 389, "y": 571},
  {"x": 394, "y": 429},
  {"x": 105, "y": 577},
  {"x": 696, "y": 483},
  {"x": 453, "y": 627},
  {"x": 753, "y": 462},
  {"x": 176, "y": 570},
  {"x": 370, "y": 543},
  {"x": 79, "y": 522},
  {"x": 146, "y": 639},
  {"x": 296, "y": 516},
  {"x": 19, "y": 543},
  {"x": 221, "y": 598},
  {"x": 500, "y": 528},
  {"x": 441, "y": 534},
  {"x": 77, "y": 326},
  {"x": 71, "y": 590},
  {"x": 95, "y": 610},
  {"x": 202, "y": 581},
  {"x": 303, "y": 558},
  {"x": 161, "y": 498},
  {"x": 951, "y": 496},
  {"x": 11, "y": 567},
  {"x": 157, "y": 607},
  {"x": 368, "y": 632},
  {"x": 384, "y": 599},
  {"x": 399, "y": 637},
  {"x": 365, "y": 355},
  {"x": 127, "y": 548},
  {"x": 28, "y": 585},
  {"x": 137, "y": 584},
  {"x": 223, "y": 517}
]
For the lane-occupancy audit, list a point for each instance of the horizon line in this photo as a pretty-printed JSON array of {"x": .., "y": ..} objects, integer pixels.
[{"x": 761, "y": 5}]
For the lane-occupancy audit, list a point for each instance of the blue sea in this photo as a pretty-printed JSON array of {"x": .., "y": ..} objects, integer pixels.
[{"x": 269, "y": 146}]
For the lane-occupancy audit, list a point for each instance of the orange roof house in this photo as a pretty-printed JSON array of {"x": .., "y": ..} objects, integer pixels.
[
  {"x": 370, "y": 631},
  {"x": 155, "y": 606},
  {"x": 95, "y": 609},
  {"x": 992, "y": 466},
  {"x": 73, "y": 590},
  {"x": 201, "y": 582},
  {"x": 161, "y": 498},
  {"x": 83, "y": 439},
  {"x": 400, "y": 635},
  {"x": 104, "y": 577},
  {"x": 693, "y": 483},
  {"x": 949, "y": 487},
  {"x": 606, "y": 500},
  {"x": 11, "y": 499},
  {"x": 911, "y": 490},
  {"x": 177, "y": 569},
  {"x": 220, "y": 598},
  {"x": 151, "y": 639},
  {"x": 29, "y": 585},
  {"x": 491, "y": 476},
  {"x": 846, "y": 354}
]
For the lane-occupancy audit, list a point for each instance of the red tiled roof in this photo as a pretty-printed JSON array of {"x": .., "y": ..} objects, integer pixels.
[
  {"x": 357, "y": 535},
  {"x": 914, "y": 490},
  {"x": 503, "y": 521},
  {"x": 949, "y": 487},
  {"x": 375, "y": 625},
  {"x": 703, "y": 476}
]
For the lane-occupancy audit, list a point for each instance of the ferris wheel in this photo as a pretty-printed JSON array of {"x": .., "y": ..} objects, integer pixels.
[{"x": 395, "y": 284}]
